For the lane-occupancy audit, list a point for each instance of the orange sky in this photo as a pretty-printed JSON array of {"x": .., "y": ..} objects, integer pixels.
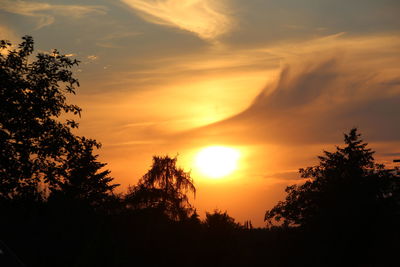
[{"x": 278, "y": 80}]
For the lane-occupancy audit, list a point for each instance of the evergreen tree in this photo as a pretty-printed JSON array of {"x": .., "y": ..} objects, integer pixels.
[
  {"x": 346, "y": 188},
  {"x": 84, "y": 178}
]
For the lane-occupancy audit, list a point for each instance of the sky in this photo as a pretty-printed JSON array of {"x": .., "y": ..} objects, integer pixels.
[{"x": 278, "y": 80}]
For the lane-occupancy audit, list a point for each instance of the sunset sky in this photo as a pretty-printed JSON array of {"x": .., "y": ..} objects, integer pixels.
[{"x": 277, "y": 81}]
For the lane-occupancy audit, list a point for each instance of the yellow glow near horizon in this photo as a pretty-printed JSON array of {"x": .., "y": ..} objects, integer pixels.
[{"x": 217, "y": 161}]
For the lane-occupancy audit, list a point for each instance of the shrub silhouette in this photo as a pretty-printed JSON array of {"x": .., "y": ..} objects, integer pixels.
[{"x": 221, "y": 222}]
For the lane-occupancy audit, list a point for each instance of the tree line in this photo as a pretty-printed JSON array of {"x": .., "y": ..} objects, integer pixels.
[{"x": 58, "y": 204}]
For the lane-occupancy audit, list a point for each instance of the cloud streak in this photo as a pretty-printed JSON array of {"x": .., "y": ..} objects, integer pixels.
[
  {"x": 205, "y": 18},
  {"x": 325, "y": 88},
  {"x": 45, "y": 13}
]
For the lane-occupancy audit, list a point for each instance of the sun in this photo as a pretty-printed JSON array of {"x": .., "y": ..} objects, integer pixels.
[{"x": 217, "y": 161}]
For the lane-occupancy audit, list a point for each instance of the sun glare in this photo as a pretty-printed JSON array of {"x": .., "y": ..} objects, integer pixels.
[{"x": 217, "y": 161}]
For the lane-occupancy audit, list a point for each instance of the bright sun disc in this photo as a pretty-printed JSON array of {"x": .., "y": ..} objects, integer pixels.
[{"x": 217, "y": 161}]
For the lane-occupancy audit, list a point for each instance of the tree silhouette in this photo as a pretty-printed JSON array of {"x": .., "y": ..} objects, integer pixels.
[
  {"x": 346, "y": 188},
  {"x": 36, "y": 148},
  {"x": 221, "y": 222},
  {"x": 84, "y": 181},
  {"x": 164, "y": 187}
]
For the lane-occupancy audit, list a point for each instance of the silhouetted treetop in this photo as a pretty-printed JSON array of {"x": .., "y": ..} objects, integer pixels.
[
  {"x": 165, "y": 187},
  {"x": 36, "y": 148},
  {"x": 355, "y": 158},
  {"x": 84, "y": 178},
  {"x": 220, "y": 222},
  {"x": 164, "y": 174},
  {"x": 346, "y": 186}
]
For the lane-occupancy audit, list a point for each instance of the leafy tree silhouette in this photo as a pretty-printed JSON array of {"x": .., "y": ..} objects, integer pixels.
[
  {"x": 346, "y": 187},
  {"x": 164, "y": 187},
  {"x": 37, "y": 150},
  {"x": 349, "y": 207}
]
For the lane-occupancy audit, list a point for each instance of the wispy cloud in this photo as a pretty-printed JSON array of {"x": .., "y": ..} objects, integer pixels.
[
  {"x": 324, "y": 88},
  {"x": 115, "y": 38},
  {"x": 45, "y": 13},
  {"x": 92, "y": 57},
  {"x": 206, "y": 18}
]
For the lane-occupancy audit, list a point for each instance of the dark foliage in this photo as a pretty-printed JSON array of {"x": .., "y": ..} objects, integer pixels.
[
  {"x": 164, "y": 188},
  {"x": 39, "y": 154},
  {"x": 84, "y": 181},
  {"x": 346, "y": 187},
  {"x": 348, "y": 206},
  {"x": 219, "y": 222}
]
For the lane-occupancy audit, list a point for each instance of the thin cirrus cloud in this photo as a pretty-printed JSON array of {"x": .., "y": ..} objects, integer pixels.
[
  {"x": 45, "y": 13},
  {"x": 330, "y": 86},
  {"x": 205, "y": 18}
]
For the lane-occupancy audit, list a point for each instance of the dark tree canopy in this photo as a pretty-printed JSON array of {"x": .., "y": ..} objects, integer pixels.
[
  {"x": 346, "y": 187},
  {"x": 83, "y": 179},
  {"x": 221, "y": 222},
  {"x": 38, "y": 151},
  {"x": 164, "y": 187}
]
